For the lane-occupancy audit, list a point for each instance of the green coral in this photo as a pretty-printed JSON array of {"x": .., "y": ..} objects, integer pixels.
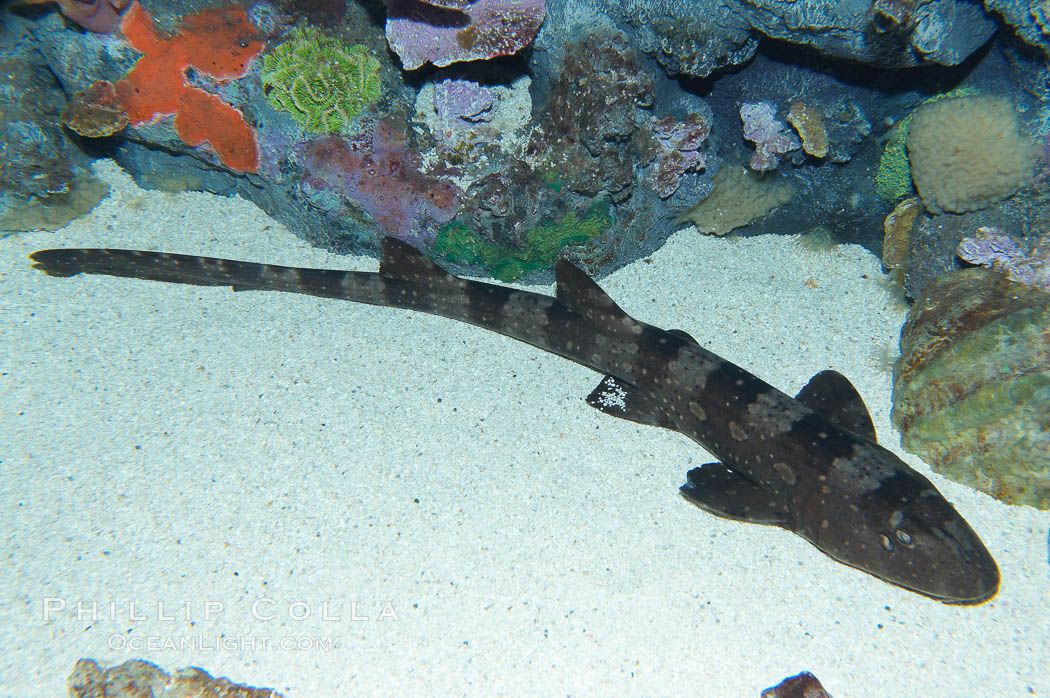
[
  {"x": 458, "y": 243},
  {"x": 322, "y": 83},
  {"x": 893, "y": 178}
]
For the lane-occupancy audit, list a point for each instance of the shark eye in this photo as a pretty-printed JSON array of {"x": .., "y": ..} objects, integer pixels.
[{"x": 904, "y": 537}]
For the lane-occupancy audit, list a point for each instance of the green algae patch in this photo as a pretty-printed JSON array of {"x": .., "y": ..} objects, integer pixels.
[{"x": 458, "y": 243}]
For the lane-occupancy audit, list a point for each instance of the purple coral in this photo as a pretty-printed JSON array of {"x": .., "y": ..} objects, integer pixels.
[
  {"x": 994, "y": 249},
  {"x": 432, "y": 32},
  {"x": 99, "y": 16},
  {"x": 679, "y": 143},
  {"x": 461, "y": 105},
  {"x": 384, "y": 178},
  {"x": 770, "y": 136}
]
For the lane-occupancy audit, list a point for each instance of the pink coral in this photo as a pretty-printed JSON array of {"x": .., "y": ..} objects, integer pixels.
[
  {"x": 461, "y": 105},
  {"x": 679, "y": 143},
  {"x": 433, "y": 32},
  {"x": 770, "y": 136},
  {"x": 384, "y": 178},
  {"x": 993, "y": 248},
  {"x": 99, "y": 16}
]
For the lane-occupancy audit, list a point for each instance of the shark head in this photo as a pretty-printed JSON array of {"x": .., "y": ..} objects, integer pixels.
[{"x": 905, "y": 532}]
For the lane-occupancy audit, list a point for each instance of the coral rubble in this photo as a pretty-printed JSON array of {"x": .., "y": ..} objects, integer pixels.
[
  {"x": 138, "y": 678},
  {"x": 804, "y": 685}
]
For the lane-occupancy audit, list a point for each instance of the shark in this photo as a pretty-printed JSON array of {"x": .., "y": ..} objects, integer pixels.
[{"x": 810, "y": 464}]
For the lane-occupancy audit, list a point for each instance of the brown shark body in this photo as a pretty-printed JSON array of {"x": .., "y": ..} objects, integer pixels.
[{"x": 809, "y": 464}]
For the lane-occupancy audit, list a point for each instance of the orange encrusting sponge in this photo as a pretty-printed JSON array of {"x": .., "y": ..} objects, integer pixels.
[{"x": 220, "y": 42}]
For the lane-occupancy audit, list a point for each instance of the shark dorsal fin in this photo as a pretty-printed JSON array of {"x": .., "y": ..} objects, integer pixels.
[
  {"x": 684, "y": 335},
  {"x": 580, "y": 292},
  {"x": 831, "y": 395},
  {"x": 401, "y": 261}
]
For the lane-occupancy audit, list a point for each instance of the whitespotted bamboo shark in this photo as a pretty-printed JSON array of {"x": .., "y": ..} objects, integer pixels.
[{"x": 809, "y": 464}]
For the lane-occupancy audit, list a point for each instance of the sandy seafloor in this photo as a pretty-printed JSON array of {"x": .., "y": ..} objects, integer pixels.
[{"x": 207, "y": 467}]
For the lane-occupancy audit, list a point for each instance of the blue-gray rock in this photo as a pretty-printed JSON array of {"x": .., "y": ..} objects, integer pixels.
[
  {"x": 693, "y": 37},
  {"x": 1031, "y": 20},
  {"x": 885, "y": 33},
  {"x": 698, "y": 37},
  {"x": 44, "y": 178}
]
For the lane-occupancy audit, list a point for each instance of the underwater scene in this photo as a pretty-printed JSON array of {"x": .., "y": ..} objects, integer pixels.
[{"x": 693, "y": 347}]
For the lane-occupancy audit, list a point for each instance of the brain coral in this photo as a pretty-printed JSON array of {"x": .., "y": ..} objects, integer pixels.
[
  {"x": 967, "y": 153},
  {"x": 971, "y": 390},
  {"x": 321, "y": 82}
]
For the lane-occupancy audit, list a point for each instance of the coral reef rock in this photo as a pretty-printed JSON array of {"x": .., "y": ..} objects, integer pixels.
[
  {"x": 45, "y": 181},
  {"x": 1030, "y": 19},
  {"x": 697, "y": 37},
  {"x": 692, "y": 37},
  {"x": 903, "y": 34},
  {"x": 971, "y": 390}
]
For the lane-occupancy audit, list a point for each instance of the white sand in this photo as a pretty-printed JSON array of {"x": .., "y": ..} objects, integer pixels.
[{"x": 211, "y": 451}]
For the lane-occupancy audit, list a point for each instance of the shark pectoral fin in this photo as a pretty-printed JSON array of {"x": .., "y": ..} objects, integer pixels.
[
  {"x": 723, "y": 492},
  {"x": 831, "y": 395},
  {"x": 619, "y": 399}
]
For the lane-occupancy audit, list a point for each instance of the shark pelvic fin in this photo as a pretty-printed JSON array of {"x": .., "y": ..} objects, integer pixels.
[
  {"x": 618, "y": 399},
  {"x": 723, "y": 492}
]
